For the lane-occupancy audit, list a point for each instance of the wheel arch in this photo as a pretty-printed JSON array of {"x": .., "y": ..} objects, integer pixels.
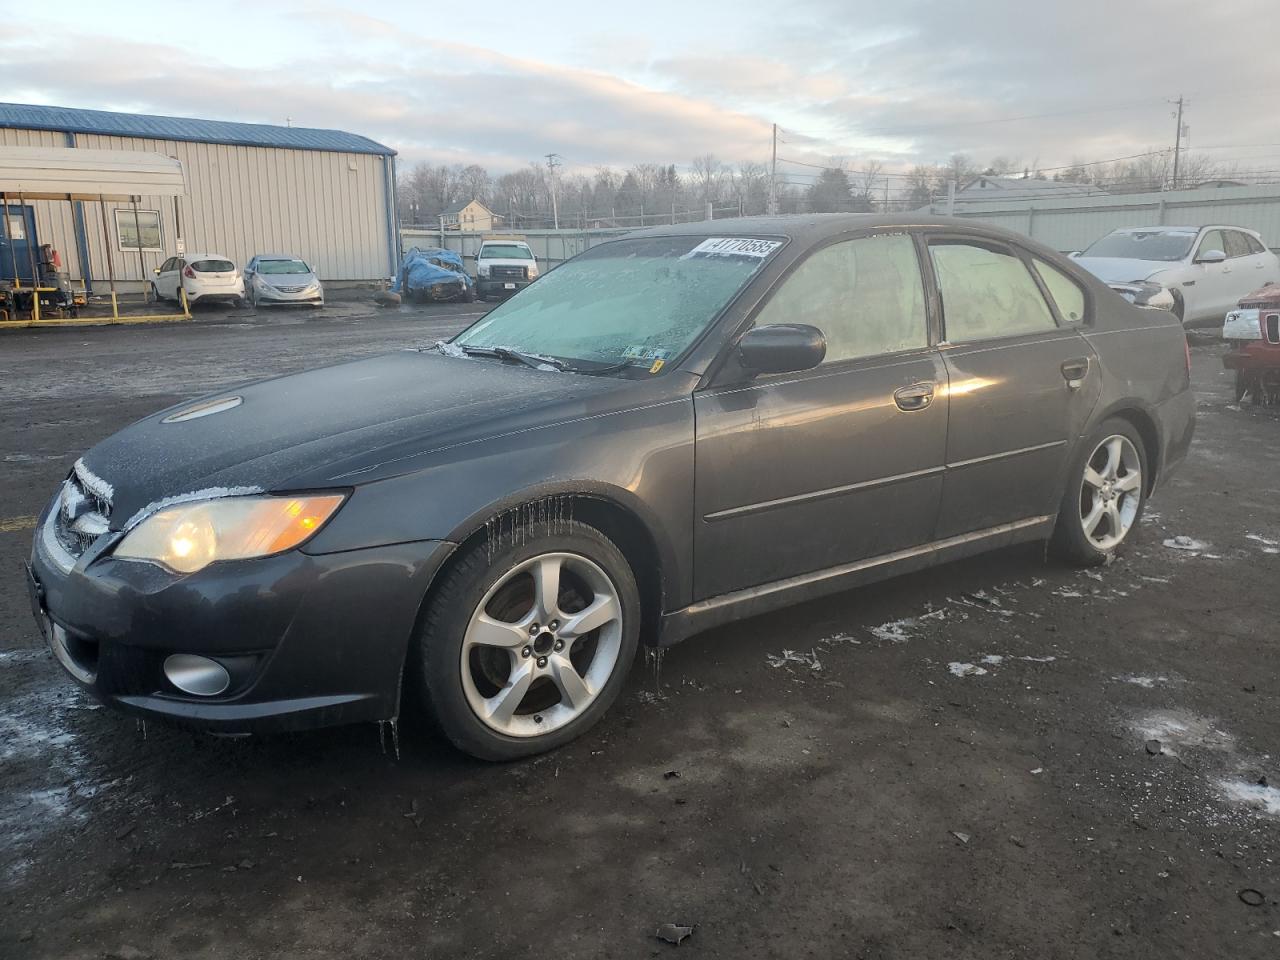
[
  {"x": 1140, "y": 417},
  {"x": 610, "y": 511}
]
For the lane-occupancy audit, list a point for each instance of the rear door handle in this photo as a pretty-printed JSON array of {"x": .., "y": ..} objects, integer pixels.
[
  {"x": 1074, "y": 371},
  {"x": 915, "y": 397}
]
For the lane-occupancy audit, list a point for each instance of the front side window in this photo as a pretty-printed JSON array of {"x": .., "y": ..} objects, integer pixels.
[
  {"x": 1066, "y": 293},
  {"x": 986, "y": 293},
  {"x": 627, "y": 302},
  {"x": 1237, "y": 244},
  {"x": 140, "y": 232},
  {"x": 865, "y": 295},
  {"x": 1212, "y": 240}
]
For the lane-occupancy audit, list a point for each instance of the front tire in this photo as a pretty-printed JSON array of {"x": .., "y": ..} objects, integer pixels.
[
  {"x": 528, "y": 638},
  {"x": 1106, "y": 492}
]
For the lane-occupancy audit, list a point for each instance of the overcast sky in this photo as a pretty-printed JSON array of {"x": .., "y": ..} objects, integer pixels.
[{"x": 610, "y": 83}]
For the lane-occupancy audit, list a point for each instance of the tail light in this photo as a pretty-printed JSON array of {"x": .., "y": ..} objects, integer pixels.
[{"x": 189, "y": 273}]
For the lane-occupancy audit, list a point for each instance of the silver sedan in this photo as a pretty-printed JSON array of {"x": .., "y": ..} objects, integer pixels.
[{"x": 280, "y": 279}]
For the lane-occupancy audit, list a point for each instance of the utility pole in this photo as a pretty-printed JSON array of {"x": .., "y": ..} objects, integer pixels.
[
  {"x": 1177, "y": 144},
  {"x": 554, "y": 160},
  {"x": 773, "y": 176}
]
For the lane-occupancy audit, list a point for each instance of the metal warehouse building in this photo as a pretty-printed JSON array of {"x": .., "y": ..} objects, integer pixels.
[{"x": 323, "y": 195}]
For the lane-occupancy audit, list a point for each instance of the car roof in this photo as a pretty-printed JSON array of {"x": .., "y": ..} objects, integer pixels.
[
  {"x": 1183, "y": 228},
  {"x": 204, "y": 256},
  {"x": 806, "y": 228},
  {"x": 277, "y": 256}
]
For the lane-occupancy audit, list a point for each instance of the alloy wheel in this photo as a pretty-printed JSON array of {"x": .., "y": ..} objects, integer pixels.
[
  {"x": 1110, "y": 492},
  {"x": 541, "y": 644}
]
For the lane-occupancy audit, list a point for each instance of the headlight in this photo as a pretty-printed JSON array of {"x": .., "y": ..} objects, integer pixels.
[
  {"x": 531, "y": 271},
  {"x": 189, "y": 537},
  {"x": 482, "y": 270}
]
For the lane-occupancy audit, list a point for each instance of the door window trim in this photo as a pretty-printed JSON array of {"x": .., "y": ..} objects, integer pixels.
[{"x": 1000, "y": 245}]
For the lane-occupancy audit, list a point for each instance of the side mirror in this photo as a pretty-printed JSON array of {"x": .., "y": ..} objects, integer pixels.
[
  {"x": 782, "y": 348},
  {"x": 1211, "y": 256},
  {"x": 1073, "y": 254},
  {"x": 156, "y": 271}
]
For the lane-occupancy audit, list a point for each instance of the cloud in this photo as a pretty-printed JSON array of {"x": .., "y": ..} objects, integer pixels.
[{"x": 909, "y": 81}]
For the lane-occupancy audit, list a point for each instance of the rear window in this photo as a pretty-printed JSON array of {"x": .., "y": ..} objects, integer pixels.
[{"x": 213, "y": 266}]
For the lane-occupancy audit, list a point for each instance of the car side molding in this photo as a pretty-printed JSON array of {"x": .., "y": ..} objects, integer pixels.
[{"x": 680, "y": 624}]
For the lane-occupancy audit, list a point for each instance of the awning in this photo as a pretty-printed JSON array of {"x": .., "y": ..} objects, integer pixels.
[{"x": 57, "y": 173}]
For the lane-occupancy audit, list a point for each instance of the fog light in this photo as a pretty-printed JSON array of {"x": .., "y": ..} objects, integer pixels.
[{"x": 198, "y": 676}]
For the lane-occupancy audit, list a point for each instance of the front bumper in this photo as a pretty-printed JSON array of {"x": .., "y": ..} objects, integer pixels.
[
  {"x": 273, "y": 297},
  {"x": 308, "y": 640}
]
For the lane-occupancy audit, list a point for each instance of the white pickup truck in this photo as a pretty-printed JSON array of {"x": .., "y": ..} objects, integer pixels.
[{"x": 504, "y": 264}]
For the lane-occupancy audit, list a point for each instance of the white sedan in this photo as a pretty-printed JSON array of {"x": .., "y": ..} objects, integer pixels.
[{"x": 1207, "y": 269}]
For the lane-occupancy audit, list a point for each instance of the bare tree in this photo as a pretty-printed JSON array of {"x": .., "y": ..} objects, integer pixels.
[{"x": 708, "y": 174}]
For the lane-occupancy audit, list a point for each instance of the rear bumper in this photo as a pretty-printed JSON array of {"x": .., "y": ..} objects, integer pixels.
[
  {"x": 1176, "y": 420},
  {"x": 307, "y": 640},
  {"x": 1253, "y": 358}
]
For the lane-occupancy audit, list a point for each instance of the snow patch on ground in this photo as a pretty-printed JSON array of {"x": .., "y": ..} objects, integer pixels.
[
  {"x": 966, "y": 669},
  {"x": 1264, "y": 799},
  {"x": 809, "y": 659},
  {"x": 1185, "y": 543},
  {"x": 1141, "y": 681},
  {"x": 1180, "y": 729}
]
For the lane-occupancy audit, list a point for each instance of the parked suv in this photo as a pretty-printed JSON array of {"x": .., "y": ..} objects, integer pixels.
[
  {"x": 503, "y": 266},
  {"x": 1206, "y": 269},
  {"x": 205, "y": 277}
]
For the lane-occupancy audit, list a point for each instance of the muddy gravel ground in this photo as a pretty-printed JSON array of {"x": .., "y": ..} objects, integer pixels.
[{"x": 1002, "y": 757}]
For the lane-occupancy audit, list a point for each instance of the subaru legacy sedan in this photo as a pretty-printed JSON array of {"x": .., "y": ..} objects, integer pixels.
[{"x": 674, "y": 429}]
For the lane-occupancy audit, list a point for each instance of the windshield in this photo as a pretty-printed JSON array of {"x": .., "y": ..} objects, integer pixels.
[
  {"x": 505, "y": 251},
  {"x": 1164, "y": 245},
  {"x": 282, "y": 266},
  {"x": 626, "y": 302}
]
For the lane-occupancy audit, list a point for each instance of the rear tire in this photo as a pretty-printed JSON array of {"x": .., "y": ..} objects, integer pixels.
[
  {"x": 492, "y": 656},
  {"x": 1106, "y": 493}
]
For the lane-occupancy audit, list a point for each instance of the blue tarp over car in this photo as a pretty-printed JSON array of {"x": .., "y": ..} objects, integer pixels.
[{"x": 433, "y": 273}]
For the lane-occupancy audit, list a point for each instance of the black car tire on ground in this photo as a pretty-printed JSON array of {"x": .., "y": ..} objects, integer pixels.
[
  {"x": 435, "y": 655},
  {"x": 1069, "y": 539}
]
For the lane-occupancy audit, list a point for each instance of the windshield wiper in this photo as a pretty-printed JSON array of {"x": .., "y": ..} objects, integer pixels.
[
  {"x": 537, "y": 361},
  {"x": 600, "y": 371}
]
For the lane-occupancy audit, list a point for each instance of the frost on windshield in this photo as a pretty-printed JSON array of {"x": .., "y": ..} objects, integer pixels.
[{"x": 634, "y": 300}]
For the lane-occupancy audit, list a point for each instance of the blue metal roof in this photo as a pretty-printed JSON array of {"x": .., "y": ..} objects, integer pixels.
[{"x": 25, "y": 116}]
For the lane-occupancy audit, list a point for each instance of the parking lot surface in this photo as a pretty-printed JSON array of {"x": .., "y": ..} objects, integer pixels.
[{"x": 1002, "y": 757}]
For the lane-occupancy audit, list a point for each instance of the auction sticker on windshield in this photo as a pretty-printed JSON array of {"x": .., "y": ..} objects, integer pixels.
[{"x": 733, "y": 247}]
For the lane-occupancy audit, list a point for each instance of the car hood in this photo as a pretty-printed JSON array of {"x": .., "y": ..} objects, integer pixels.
[
  {"x": 336, "y": 426},
  {"x": 1121, "y": 270}
]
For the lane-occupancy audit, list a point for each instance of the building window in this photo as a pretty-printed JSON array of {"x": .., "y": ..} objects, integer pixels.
[{"x": 147, "y": 224}]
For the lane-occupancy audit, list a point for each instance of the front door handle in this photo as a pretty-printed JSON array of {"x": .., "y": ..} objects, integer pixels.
[
  {"x": 915, "y": 397},
  {"x": 1074, "y": 371}
]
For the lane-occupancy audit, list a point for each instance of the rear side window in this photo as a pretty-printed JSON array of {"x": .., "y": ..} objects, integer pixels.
[
  {"x": 1066, "y": 293},
  {"x": 865, "y": 295},
  {"x": 1255, "y": 245},
  {"x": 987, "y": 293},
  {"x": 213, "y": 266}
]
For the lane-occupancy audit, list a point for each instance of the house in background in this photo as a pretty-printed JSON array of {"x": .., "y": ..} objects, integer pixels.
[
  {"x": 985, "y": 189},
  {"x": 470, "y": 216}
]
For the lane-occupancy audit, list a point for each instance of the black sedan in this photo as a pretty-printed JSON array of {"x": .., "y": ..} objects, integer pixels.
[{"x": 677, "y": 428}]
